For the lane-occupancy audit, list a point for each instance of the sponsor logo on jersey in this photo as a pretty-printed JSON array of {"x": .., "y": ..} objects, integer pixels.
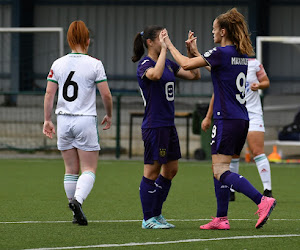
[
  {"x": 50, "y": 74},
  {"x": 146, "y": 60},
  {"x": 169, "y": 67},
  {"x": 208, "y": 53}
]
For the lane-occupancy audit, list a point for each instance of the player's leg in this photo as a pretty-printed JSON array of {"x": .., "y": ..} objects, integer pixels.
[
  {"x": 163, "y": 184},
  {"x": 220, "y": 163},
  {"x": 88, "y": 163},
  {"x": 236, "y": 181},
  {"x": 69, "y": 153},
  {"x": 85, "y": 132},
  {"x": 72, "y": 168},
  {"x": 169, "y": 140},
  {"x": 148, "y": 192},
  {"x": 256, "y": 144},
  {"x": 148, "y": 196},
  {"x": 234, "y": 167},
  {"x": 85, "y": 183},
  {"x": 71, "y": 161}
]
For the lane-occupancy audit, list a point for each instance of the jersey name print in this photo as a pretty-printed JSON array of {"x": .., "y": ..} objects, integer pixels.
[
  {"x": 77, "y": 76},
  {"x": 228, "y": 73}
]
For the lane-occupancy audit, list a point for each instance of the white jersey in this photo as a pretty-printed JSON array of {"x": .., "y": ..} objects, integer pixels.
[
  {"x": 255, "y": 72},
  {"x": 77, "y": 75}
]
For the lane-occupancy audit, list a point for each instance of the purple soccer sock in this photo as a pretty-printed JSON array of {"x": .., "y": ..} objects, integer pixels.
[
  {"x": 222, "y": 194},
  {"x": 240, "y": 184},
  {"x": 148, "y": 195},
  {"x": 163, "y": 186}
]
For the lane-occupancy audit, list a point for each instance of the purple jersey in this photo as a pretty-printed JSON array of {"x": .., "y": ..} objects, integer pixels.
[
  {"x": 228, "y": 73},
  {"x": 158, "y": 95}
]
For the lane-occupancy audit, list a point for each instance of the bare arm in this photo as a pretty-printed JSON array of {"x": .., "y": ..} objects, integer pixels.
[
  {"x": 154, "y": 74},
  {"x": 107, "y": 102},
  {"x": 263, "y": 83},
  {"x": 48, "y": 127},
  {"x": 207, "y": 120},
  {"x": 193, "y": 74},
  {"x": 185, "y": 62}
]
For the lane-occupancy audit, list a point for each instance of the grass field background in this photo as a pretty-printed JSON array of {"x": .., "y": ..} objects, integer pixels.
[{"x": 34, "y": 212}]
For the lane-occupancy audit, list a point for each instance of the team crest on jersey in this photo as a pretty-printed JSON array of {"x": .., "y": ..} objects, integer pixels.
[
  {"x": 162, "y": 152},
  {"x": 208, "y": 53},
  {"x": 170, "y": 68}
]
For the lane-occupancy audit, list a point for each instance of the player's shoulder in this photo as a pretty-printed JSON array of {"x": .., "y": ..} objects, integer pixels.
[
  {"x": 93, "y": 59},
  {"x": 145, "y": 61},
  {"x": 211, "y": 52},
  {"x": 253, "y": 63}
]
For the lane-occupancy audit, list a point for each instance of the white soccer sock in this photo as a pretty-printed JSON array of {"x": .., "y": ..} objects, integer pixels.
[
  {"x": 264, "y": 170},
  {"x": 234, "y": 167},
  {"x": 70, "y": 181},
  {"x": 84, "y": 186}
]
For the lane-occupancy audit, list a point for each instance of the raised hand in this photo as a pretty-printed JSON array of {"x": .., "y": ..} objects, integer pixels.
[
  {"x": 165, "y": 37},
  {"x": 191, "y": 44}
]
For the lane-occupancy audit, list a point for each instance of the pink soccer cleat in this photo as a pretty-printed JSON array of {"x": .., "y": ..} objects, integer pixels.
[
  {"x": 265, "y": 208},
  {"x": 219, "y": 223}
]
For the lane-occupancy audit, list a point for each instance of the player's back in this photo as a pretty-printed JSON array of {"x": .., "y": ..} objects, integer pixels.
[
  {"x": 76, "y": 75},
  {"x": 228, "y": 71}
]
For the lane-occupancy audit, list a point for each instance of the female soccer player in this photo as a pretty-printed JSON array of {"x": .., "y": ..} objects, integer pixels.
[
  {"x": 76, "y": 77},
  {"x": 156, "y": 77},
  {"x": 228, "y": 64},
  {"x": 256, "y": 79}
]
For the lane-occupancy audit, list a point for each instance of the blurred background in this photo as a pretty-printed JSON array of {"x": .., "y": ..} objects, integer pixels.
[{"x": 26, "y": 57}]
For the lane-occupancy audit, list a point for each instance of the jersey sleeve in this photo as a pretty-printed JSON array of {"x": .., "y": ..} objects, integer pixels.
[
  {"x": 260, "y": 71},
  {"x": 213, "y": 57},
  {"x": 100, "y": 73},
  {"x": 175, "y": 67},
  {"x": 52, "y": 76},
  {"x": 143, "y": 67}
]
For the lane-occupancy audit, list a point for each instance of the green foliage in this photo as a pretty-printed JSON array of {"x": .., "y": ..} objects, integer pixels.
[{"x": 32, "y": 190}]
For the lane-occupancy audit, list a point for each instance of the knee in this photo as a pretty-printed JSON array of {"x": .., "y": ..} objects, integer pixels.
[
  {"x": 257, "y": 152},
  {"x": 170, "y": 174},
  {"x": 219, "y": 169}
]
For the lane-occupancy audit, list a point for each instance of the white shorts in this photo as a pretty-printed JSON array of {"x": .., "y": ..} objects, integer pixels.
[
  {"x": 77, "y": 132},
  {"x": 256, "y": 122}
]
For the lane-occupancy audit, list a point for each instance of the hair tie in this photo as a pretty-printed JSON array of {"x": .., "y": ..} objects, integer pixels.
[{"x": 142, "y": 33}]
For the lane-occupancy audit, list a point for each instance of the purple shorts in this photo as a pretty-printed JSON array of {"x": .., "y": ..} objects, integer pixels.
[
  {"x": 161, "y": 144},
  {"x": 228, "y": 136}
]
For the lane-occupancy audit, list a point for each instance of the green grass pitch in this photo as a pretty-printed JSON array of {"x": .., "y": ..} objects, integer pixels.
[{"x": 34, "y": 212}]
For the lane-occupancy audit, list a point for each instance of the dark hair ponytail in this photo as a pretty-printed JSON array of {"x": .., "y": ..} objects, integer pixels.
[
  {"x": 138, "y": 47},
  {"x": 140, "y": 40}
]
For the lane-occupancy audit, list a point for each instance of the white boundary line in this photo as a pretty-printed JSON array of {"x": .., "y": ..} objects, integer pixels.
[
  {"x": 170, "y": 242},
  {"x": 125, "y": 221}
]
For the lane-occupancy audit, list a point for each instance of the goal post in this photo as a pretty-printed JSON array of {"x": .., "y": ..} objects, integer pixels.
[
  {"x": 60, "y": 30},
  {"x": 13, "y": 62},
  {"x": 276, "y": 39}
]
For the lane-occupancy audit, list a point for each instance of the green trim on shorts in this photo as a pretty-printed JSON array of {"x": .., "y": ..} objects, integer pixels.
[{"x": 97, "y": 130}]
